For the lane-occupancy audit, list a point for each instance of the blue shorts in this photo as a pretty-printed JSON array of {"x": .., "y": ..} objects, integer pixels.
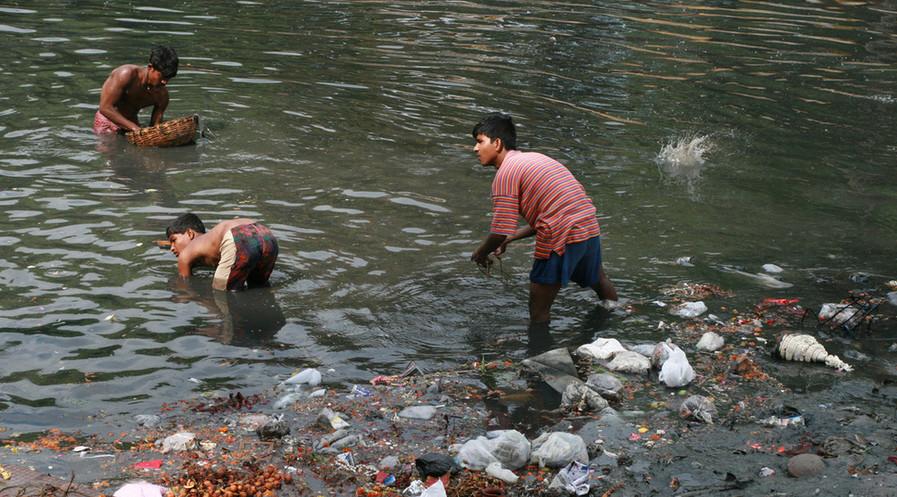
[{"x": 580, "y": 263}]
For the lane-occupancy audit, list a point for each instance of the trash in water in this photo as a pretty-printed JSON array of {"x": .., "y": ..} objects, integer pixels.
[
  {"x": 783, "y": 421},
  {"x": 434, "y": 464},
  {"x": 689, "y": 309},
  {"x": 154, "y": 464},
  {"x": 495, "y": 470},
  {"x": 766, "y": 471},
  {"x": 772, "y": 268},
  {"x": 413, "y": 489},
  {"x": 359, "y": 391},
  {"x": 684, "y": 261},
  {"x": 771, "y": 301},
  {"x": 418, "y": 412},
  {"x": 710, "y": 341},
  {"x": 310, "y": 377},
  {"x": 346, "y": 459},
  {"x": 676, "y": 371},
  {"x": 574, "y": 478},
  {"x": 698, "y": 407},
  {"x": 764, "y": 279},
  {"x": 601, "y": 349},
  {"x": 805, "y": 348},
  {"x": 140, "y": 489},
  {"x": 178, "y": 442},
  {"x": 435, "y": 490},
  {"x": 385, "y": 478}
]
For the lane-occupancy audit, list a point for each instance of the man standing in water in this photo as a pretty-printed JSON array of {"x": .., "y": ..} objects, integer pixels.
[
  {"x": 130, "y": 88},
  {"x": 556, "y": 208}
]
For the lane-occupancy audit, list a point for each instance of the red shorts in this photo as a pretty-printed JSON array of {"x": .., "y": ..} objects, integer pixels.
[{"x": 103, "y": 126}]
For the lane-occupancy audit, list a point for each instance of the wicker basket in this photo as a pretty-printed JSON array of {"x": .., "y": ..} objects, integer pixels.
[{"x": 172, "y": 133}]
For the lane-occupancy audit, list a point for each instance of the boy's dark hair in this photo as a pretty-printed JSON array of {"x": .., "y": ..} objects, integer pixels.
[
  {"x": 165, "y": 60},
  {"x": 184, "y": 222},
  {"x": 497, "y": 125}
]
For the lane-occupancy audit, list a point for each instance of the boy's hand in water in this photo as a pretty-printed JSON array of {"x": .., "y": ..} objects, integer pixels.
[
  {"x": 501, "y": 248},
  {"x": 480, "y": 258}
]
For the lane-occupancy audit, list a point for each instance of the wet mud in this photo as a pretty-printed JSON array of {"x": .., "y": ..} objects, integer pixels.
[{"x": 770, "y": 417}]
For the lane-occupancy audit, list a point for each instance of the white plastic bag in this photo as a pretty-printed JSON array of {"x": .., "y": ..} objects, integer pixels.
[
  {"x": 435, "y": 490},
  {"x": 476, "y": 454},
  {"x": 689, "y": 309},
  {"x": 140, "y": 489},
  {"x": 630, "y": 362},
  {"x": 710, "y": 342},
  {"x": 510, "y": 448},
  {"x": 558, "y": 449},
  {"x": 178, "y": 442},
  {"x": 496, "y": 471},
  {"x": 601, "y": 349},
  {"x": 676, "y": 371},
  {"x": 310, "y": 377}
]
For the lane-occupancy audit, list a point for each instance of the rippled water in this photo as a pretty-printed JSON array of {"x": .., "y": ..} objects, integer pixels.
[{"x": 345, "y": 128}]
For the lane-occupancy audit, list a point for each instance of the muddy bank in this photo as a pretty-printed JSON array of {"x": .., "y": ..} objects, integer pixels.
[{"x": 769, "y": 434}]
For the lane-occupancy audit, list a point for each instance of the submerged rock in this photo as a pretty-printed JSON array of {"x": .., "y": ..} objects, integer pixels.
[
  {"x": 580, "y": 396},
  {"x": 803, "y": 465},
  {"x": 275, "y": 428},
  {"x": 554, "y": 367},
  {"x": 605, "y": 384},
  {"x": 418, "y": 412}
]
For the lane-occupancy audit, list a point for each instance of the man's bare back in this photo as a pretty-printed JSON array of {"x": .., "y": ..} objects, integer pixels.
[
  {"x": 204, "y": 249},
  {"x": 242, "y": 251},
  {"x": 130, "y": 88}
]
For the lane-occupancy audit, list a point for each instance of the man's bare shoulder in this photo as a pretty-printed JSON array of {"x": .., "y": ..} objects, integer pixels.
[
  {"x": 231, "y": 224},
  {"x": 125, "y": 72}
]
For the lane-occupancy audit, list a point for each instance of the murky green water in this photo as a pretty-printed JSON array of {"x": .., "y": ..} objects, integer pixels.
[{"x": 345, "y": 126}]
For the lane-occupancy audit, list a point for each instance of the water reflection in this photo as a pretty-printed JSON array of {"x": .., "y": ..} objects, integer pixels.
[
  {"x": 250, "y": 318},
  {"x": 145, "y": 169}
]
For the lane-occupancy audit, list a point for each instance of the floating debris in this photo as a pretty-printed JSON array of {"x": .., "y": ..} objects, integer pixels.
[{"x": 805, "y": 348}]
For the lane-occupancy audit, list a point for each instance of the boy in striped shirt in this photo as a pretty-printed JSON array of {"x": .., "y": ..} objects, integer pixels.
[{"x": 557, "y": 211}]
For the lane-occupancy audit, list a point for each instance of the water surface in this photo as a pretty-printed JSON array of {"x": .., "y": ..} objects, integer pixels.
[{"x": 344, "y": 126}]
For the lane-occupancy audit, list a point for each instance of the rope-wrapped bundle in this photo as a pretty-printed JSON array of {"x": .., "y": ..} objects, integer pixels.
[
  {"x": 805, "y": 348},
  {"x": 181, "y": 131}
]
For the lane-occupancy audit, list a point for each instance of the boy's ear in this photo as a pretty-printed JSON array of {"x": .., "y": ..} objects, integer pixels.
[
  {"x": 499, "y": 144},
  {"x": 191, "y": 233}
]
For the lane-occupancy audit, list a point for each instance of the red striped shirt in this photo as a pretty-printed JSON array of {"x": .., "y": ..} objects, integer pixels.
[{"x": 547, "y": 195}]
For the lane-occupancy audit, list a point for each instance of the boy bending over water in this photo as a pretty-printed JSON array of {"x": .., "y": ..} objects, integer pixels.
[
  {"x": 242, "y": 251},
  {"x": 130, "y": 88},
  {"x": 556, "y": 209}
]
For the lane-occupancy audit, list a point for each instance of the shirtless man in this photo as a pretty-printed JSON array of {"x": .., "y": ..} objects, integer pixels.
[
  {"x": 242, "y": 251},
  {"x": 130, "y": 88}
]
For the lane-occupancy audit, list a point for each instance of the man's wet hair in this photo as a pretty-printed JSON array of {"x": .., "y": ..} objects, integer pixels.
[
  {"x": 184, "y": 222},
  {"x": 165, "y": 60},
  {"x": 497, "y": 125}
]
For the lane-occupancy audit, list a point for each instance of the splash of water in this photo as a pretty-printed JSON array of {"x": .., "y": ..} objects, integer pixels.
[
  {"x": 685, "y": 152},
  {"x": 682, "y": 160}
]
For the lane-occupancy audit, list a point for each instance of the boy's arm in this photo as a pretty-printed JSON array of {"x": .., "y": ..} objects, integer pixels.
[
  {"x": 492, "y": 242},
  {"x": 185, "y": 265},
  {"x": 112, "y": 91},
  {"x": 522, "y": 232},
  {"x": 159, "y": 108}
]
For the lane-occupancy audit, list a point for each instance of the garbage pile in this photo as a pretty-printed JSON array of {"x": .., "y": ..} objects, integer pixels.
[{"x": 698, "y": 411}]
